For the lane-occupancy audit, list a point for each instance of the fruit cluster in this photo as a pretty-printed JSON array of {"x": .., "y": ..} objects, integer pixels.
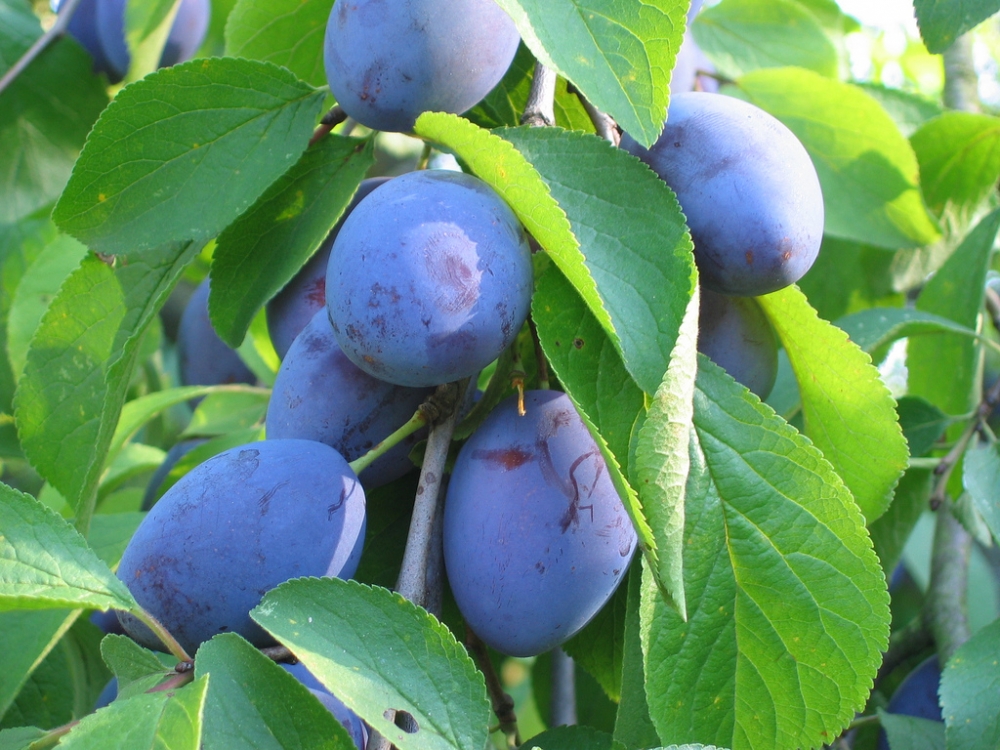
[{"x": 427, "y": 280}]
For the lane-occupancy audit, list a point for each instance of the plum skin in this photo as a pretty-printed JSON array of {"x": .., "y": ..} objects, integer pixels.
[
  {"x": 917, "y": 695},
  {"x": 291, "y": 309},
  {"x": 734, "y": 332},
  {"x": 319, "y": 394},
  {"x": 205, "y": 359},
  {"x": 235, "y": 527},
  {"x": 429, "y": 279},
  {"x": 747, "y": 187},
  {"x": 536, "y": 539},
  {"x": 387, "y": 61}
]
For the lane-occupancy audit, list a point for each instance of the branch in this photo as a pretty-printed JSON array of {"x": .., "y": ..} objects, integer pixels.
[
  {"x": 540, "y": 108},
  {"x": 605, "y": 126},
  {"x": 503, "y": 704},
  {"x": 944, "y": 611},
  {"x": 562, "y": 711},
  {"x": 63, "y": 18},
  {"x": 961, "y": 84}
]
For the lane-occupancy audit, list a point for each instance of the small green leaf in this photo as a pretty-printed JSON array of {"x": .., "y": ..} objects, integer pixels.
[
  {"x": 573, "y": 738},
  {"x": 849, "y": 413},
  {"x": 923, "y": 424},
  {"x": 150, "y": 171},
  {"x": 152, "y": 721},
  {"x": 955, "y": 292},
  {"x": 383, "y": 653},
  {"x": 941, "y": 22},
  {"x": 788, "y": 607},
  {"x": 598, "y": 648},
  {"x": 959, "y": 157},
  {"x": 20, "y": 738},
  {"x": 912, "y": 732},
  {"x": 969, "y": 682},
  {"x": 866, "y": 167},
  {"x": 744, "y": 35},
  {"x": 872, "y": 329},
  {"x": 619, "y": 53},
  {"x": 294, "y": 215},
  {"x": 633, "y": 725},
  {"x": 288, "y": 33},
  {"x": 28, "y": 637},
  {"x": 981, "y": 479},
  {"x": 45, "y": 114},
  {"x": 137, "y": 669},
  {"x": 80, "y": 366},
  {"x": 228, "y": 411},
  {"x": 46, "y": 564},
  {"x": 256, "y": 705}
]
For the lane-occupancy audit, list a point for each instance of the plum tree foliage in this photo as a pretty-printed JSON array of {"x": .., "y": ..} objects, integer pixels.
[{"x": 612, "y": 416}]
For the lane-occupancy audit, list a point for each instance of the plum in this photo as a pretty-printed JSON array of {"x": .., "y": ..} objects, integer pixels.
[
  {"x": 293, "y": 307},
  {"x": 387, "y": 61},
  {"x": 184, "y": 39},
  {"x": 319, "y": 394},
  {"x": 536, "y": 539},
  {"x": 205, "y": 359},
  {"x": 429, "y": 279},
  {"x": 83, "y": 27},
  {"x": 748, "y": 188},
  {"x": 734, "y": 332},
  {"x": 235, "y": 527},
  {"x": 917, "y": 695}
]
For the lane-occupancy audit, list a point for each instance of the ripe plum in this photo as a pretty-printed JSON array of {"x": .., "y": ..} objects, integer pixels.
[
  {"x": 734, "y": 332},
  {"x": 235, "y": 527},
  {"x": 205, "y": 359},
  {"x": 747, "y": 187},
  {"x": 319, "y": 394},
  {"x": 293, "y": 307},
  {"x": 83, "y": 28},
  {"x": 917, "y": 695},
  {"x": 535, "y": 536},
  {"x": 429, "y": 279},
  {"x": 387, "y": 61},
  {"x": 184, "y": 39}
]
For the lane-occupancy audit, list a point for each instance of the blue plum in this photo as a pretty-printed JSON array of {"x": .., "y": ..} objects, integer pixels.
[
  {"x": 917, "y": 695},
  {"x": 319, "y": 394},
  {"x": 184, "y": 39},
  {"x": 205, "y": 359},
  {"x": 429, "y": 279},
  {"x": 536, "y": 539},
  {"x": 747, "y": 187},
  {"x": 235, "y": 527},
  {"x": 293, "y": 307},
  {"x": 108, "y": 694},
  {"x": 83, "y": 27},
  {"x": 387, "y": 61},
  {"x": 734, "y": 332}
]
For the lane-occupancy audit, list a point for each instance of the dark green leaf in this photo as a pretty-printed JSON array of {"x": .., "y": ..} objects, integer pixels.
[
  {"x": 80, "y": 366},
  {"x": 788, "y": 608},
  {"x": 28, "y": 636},
  {"x": 911, "y": 732},
  {"x": 744, "y": 35},
  {"x": 969, "y": 684},
  {"x": 110, "y": 534},
  {"x": 256, "y": 705},
  {"x": 633, "y": 725},
  {"x": 20, "y": 738},
  {"x": 617, "y": 52},
  {"x": 151, "y": 171},
  {"x": 866, "y": 167},
  {"x": 923, "y": 424},
  {"x": 943, "y": 21},
  {"x": 891, "y": 530},
  {"x": 46, "y": 564},
  {"x": 284, "y": 32},
  {"x": 383, "y": 653},
  {"x": 137, "y": 669},
  {"x": 598, "y": 648},
  {"x": 573, "y": 738},
  {"x": 872, "y": 329},
  {"x": 45, "y": 114},
  {"x": 262, "y": 250}
]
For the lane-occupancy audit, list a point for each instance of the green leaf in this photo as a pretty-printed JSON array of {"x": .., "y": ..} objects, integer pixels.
[
  {"x": 45, "y": 114},
  {"x": 908, "y": 110},
  {"x": 959, "y": 157},
  {"x": 849, "y": 413},
  {"x": 284, "y": 32},
  {"x": 969, "y": 682},
  {"x": 743, "y": 35},
  {"x": 151, "y": 721},
  {"x": 80, "y": 366},
  {"x": 788, "y": 608},
  {"x": 255, "y": 704},
  {"x": 911, "y": 732},
  {"x": 110, "y": 534},
  {"x": 20, "y": 738},
  {"x": 28, "y": 637},
  {"x": 875, "y": 328},
  {"x": 923, "y": 424},
  {"x": 941, "y": 22},
  {"x": 955, "y": 292},
  {"x": 46, "y": 564},
  {"x": 136, "y": 668},
  {"x": 598, "y": 648},
  {"x": 891, "y": 530},
  {"x": 147, "y": 26},
  {"x": 294, "y": 215},
  {"x": 619, "y": 53},
  {"x": 573, "y": 738},
  {"x": 633, "y": 725},
  {"x": 981, "y": 479},
  {"x": 383, "y": 653},
  {"x": 634, "y": 241},
  {"x": 151, "y": 170},
  {"x": 866, "y": 167},
  {"x": 225, "y": 412}
]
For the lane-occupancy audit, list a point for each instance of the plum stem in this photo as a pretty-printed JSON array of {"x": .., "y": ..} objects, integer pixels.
[
  {"x": 562, "y": 711},
  {"x": 63, "y": 18},
  {"x": 330, "y": 120},
  {"x": 503, "y": 704},
  {"x": 604, "y": 124},
  {"x": 418, "y": 420},
  {"x": 425, "y": 156},
  {"x": 165, "y": 636},
  {"x": 539, "y": 110}
]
